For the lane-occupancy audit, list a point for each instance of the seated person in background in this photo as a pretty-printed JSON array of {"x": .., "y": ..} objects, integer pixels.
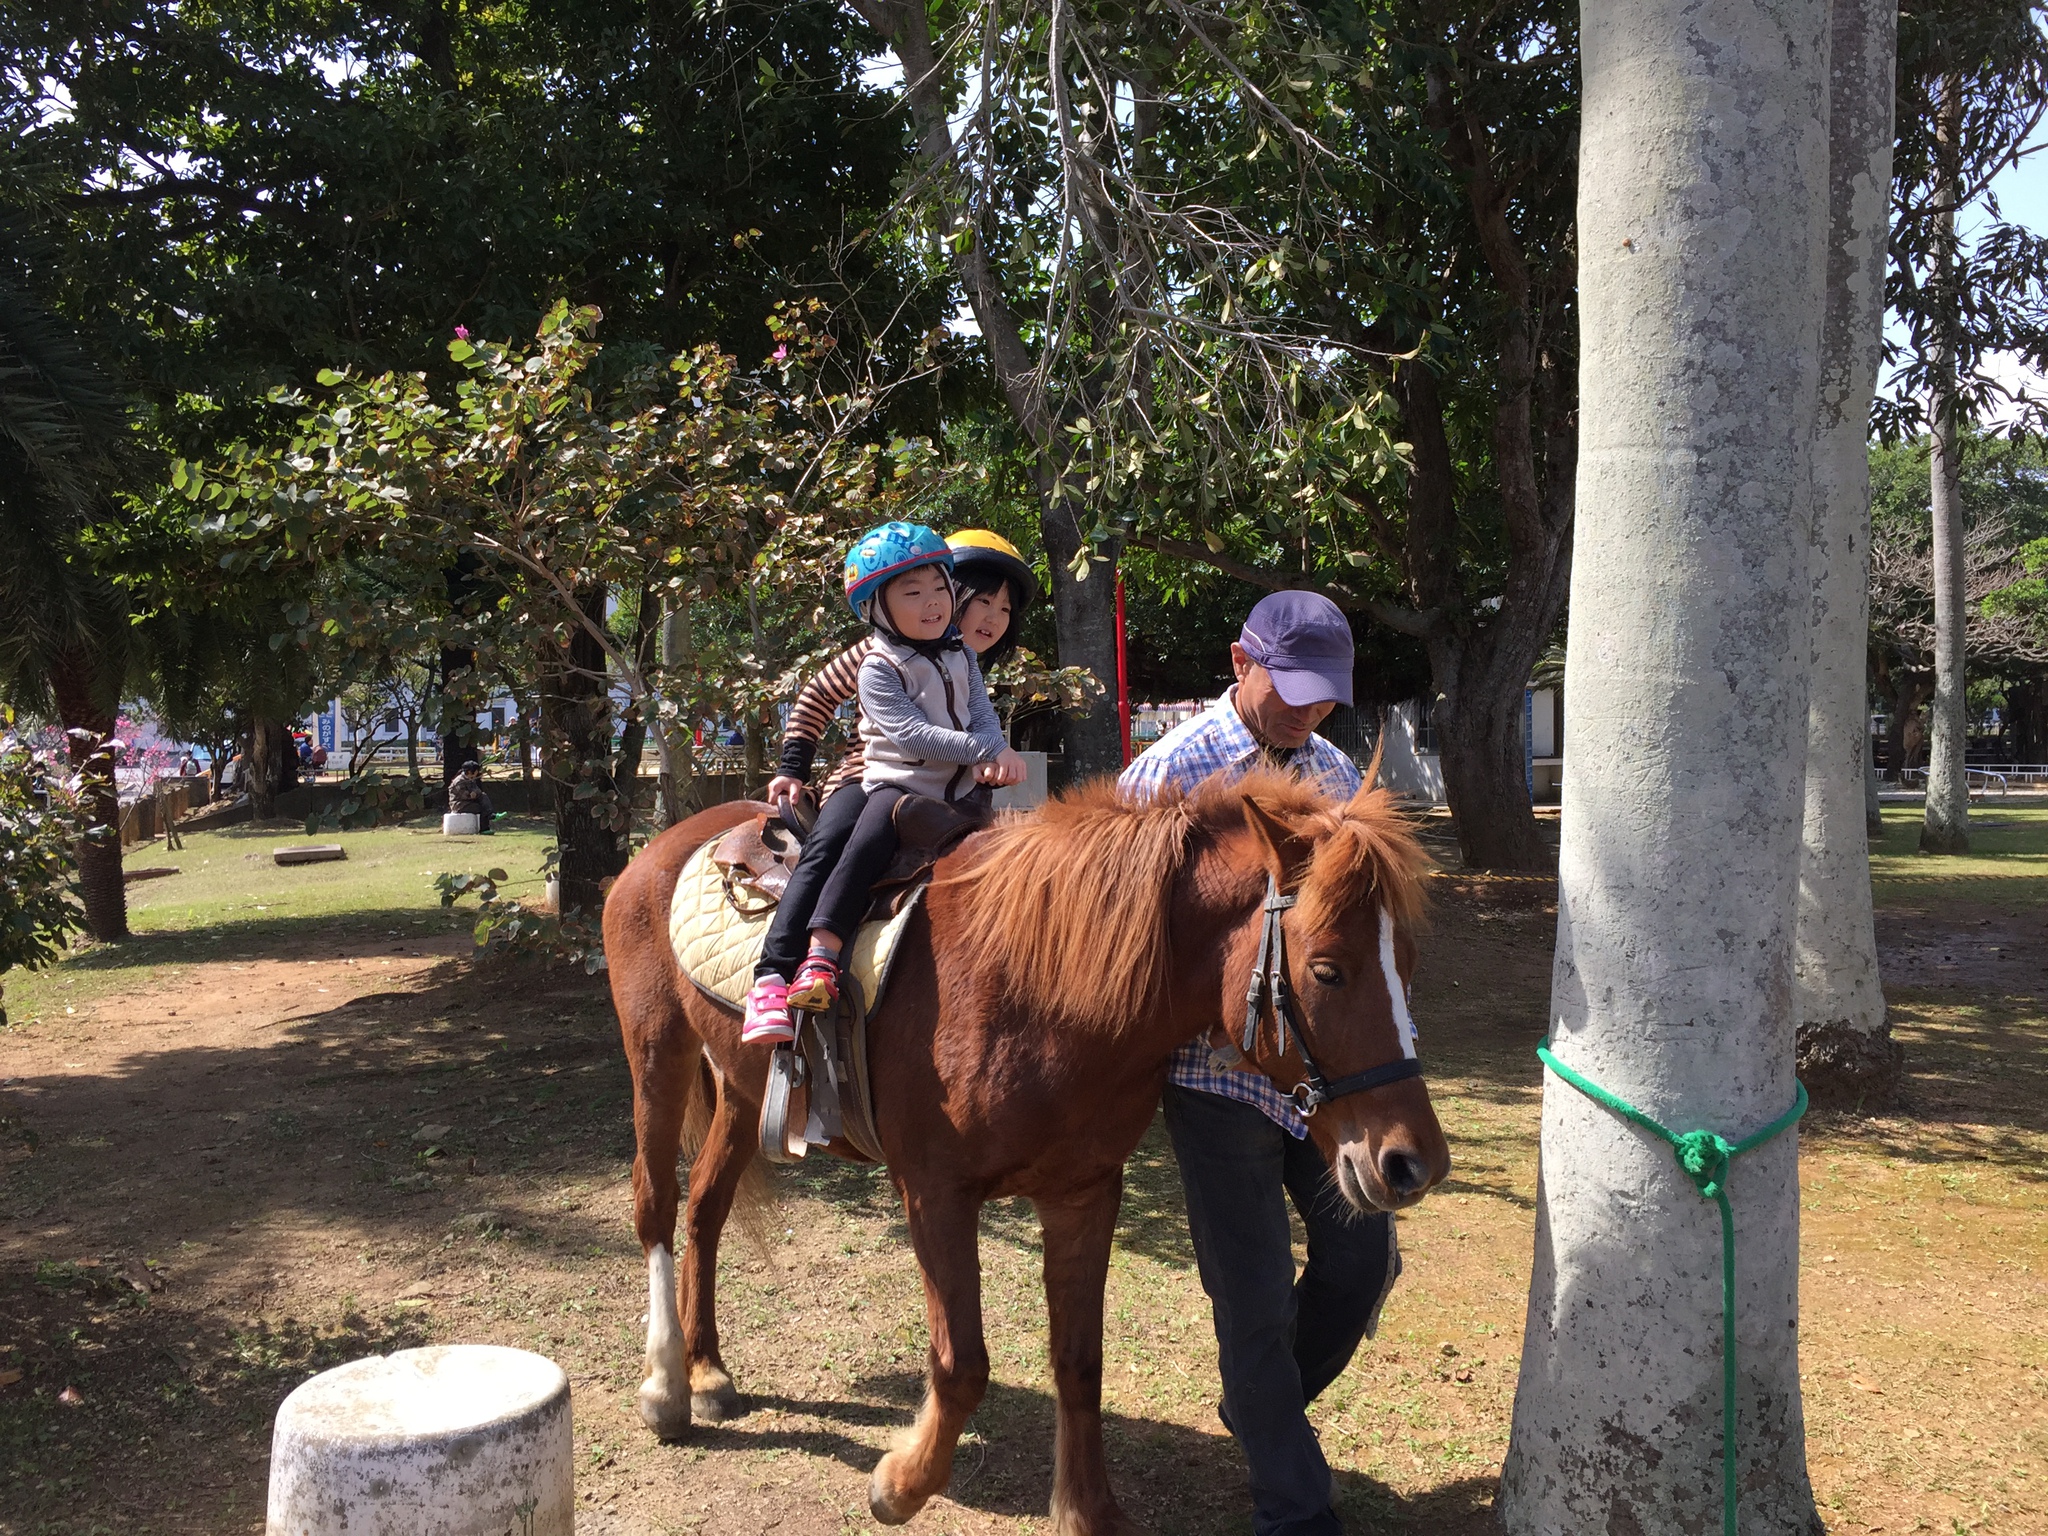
[{"x": 466, "y": 795}]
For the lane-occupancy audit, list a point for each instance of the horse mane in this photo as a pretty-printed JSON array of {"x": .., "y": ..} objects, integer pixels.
[{"x": 1070, "y": 904}]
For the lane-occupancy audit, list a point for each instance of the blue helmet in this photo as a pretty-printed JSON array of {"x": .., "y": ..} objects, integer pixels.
[{"x": 887, "y": 552}]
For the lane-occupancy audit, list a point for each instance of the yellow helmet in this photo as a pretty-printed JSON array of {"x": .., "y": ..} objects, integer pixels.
[{"x": 979, "y": 552}]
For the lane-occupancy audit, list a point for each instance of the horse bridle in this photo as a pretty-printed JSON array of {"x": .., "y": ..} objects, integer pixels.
[{"x": 1269, "y": 979}]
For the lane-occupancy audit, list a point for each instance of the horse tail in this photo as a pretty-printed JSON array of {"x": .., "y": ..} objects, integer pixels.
[{"x": 755, "y": 1202}]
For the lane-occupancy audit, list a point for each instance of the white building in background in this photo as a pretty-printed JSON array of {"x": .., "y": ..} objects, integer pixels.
[{"x": 1409, "y": 762}]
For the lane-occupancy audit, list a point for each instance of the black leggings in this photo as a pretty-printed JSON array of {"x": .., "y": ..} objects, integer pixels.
[{"x": 848, "y": 848}]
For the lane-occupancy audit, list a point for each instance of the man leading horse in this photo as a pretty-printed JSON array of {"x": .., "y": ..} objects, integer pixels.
[{"x": 1239, "y": 1141}]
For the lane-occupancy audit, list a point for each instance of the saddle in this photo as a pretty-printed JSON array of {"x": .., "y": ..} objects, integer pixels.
[
  {"x": 757, "y": 857},
  {"x": 819, "y": 1091}
]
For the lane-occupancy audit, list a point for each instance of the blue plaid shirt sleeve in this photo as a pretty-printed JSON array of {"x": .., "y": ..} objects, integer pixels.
[{"x": 1217, "y": 741}]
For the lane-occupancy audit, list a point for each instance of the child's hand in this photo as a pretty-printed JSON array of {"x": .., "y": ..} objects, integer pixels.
[
  {"x": 781, "y": 786},
  {"x": 1008, "y": 768}
]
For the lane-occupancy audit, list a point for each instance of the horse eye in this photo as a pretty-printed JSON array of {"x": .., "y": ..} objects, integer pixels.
[{"x": 1326, "y": 973}]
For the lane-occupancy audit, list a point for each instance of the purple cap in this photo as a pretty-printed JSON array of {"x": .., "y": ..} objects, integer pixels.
[{"x": 1303, "y": 641}]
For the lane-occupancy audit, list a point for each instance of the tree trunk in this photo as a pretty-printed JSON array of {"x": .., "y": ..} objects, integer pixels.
[
  {"x": 88, "y": 724},
  {"x": 2028, "y": 702},
  {"x": 1904, "y": 693},
  {"x": 459, "y": 700},
  {"x": 1479, "y": 724},
  {"x": 270, "y": 742},
  {"x": 1702, "y": 219},
  {"x": 1480, "y": 669},
  {"x": 1847, "y": 1056},
  {"x": 576, "y": 746},
  {"x": 458, "y": 710},
  {"x": 1946, "y": 828},
  {"x": 1084, "y": 613}
]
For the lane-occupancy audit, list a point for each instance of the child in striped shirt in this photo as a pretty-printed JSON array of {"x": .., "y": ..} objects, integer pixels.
[{"x": 991, "y": 586}]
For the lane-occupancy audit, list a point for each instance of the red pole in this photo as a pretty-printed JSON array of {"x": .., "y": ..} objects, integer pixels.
[{"x": 1123, "y": 674}]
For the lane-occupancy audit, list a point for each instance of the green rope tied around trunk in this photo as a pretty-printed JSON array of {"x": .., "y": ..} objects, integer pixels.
[{"x": 1704, "y": 1158}]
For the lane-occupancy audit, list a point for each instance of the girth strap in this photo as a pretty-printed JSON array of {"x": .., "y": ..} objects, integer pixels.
[{"x": 1269, "y": 981}]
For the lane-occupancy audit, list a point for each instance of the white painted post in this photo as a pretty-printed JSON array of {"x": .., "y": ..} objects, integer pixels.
[{"x": 462, "y": 1440}]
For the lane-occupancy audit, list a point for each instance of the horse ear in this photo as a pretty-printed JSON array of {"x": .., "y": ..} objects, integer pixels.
[{"x": 1284, "y": 847}]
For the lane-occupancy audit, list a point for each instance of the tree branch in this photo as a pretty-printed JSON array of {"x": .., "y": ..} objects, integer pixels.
[{"x": 1395, "y": 616}]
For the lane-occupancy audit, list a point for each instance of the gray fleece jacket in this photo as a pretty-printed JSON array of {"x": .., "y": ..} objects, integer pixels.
[{"x": 924, "y": 723}]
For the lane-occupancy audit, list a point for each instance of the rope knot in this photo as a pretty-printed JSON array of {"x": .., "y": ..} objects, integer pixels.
[{"x": 1704, "y": 1157}]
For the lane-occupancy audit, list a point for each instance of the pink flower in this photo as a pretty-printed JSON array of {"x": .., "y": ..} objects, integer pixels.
[
  {"x": 781, "y": 353},
  {"x": 462, "y": 333}
]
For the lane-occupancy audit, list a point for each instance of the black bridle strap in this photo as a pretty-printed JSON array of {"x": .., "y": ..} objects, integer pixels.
[{"x": 1269, "y": 980}]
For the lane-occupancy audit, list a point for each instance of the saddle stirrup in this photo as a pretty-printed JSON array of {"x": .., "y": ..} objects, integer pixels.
[{"x": 785, "y": 1105}]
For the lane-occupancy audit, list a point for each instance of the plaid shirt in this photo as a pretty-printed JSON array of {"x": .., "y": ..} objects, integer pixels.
[{"x": 1218, "y": 741}]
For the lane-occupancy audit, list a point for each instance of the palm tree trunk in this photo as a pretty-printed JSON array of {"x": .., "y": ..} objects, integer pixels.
[
  {"x": 1847, "y": 1056},
  {"x": 89, "y": 733},
  {"x": 1946, "y": 828},
  {"x": 1703, "y": 219}
]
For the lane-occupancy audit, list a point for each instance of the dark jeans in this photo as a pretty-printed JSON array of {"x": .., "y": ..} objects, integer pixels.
[
  {"x": 1280, "y": 1339},
  {"x": 789, "y": 933}
]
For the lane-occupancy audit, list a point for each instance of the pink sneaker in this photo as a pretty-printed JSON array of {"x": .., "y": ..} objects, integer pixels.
[
  {"x": 816, "y": 987},
  {"x": 768, "y": 1020}
]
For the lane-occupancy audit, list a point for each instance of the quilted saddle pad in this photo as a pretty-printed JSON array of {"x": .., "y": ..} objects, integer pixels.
[{"x": 718, "y": 947}]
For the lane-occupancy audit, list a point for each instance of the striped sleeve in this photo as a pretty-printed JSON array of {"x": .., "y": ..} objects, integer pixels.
[{"x": 816, "y": 703}]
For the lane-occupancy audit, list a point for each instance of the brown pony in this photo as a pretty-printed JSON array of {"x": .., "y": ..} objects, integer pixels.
[{"x": 1054, "y": 966}]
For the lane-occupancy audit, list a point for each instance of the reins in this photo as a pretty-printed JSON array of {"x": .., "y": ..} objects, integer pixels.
[{"x": 1269, "y": 981}]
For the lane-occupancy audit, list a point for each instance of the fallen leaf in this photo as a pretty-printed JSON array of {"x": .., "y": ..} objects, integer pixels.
[
  {"x": 71, "y": 1397},
  {"x": 140, "y": 1277},
  {"x": 9, "y": 1378},
  {"x": 431, "y": 1132},
  {"x": 1866, "y": 1386}
]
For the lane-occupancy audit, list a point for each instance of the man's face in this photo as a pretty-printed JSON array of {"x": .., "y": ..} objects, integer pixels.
[{"x": 1272, "y": 719}]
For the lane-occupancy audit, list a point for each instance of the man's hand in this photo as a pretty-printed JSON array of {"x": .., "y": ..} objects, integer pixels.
[
  {"x": 783, "y": 787},
  {"x": 1008, "y": 768}
]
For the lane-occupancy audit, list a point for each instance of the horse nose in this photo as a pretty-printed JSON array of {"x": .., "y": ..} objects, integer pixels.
[{"x": 1405, "y": 1173}]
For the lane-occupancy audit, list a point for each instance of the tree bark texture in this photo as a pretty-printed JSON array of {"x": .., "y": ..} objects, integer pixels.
[
  {"x": 88, "y": 720},
  {"x": 1903, "y": 692},
  {"x": 1084, "y": 614},
  {"x": 270, "y": 744},
  {"x": 1946, "y": 827},
  {"x": 1702, "y": 220},
  {"x": 1847, "y": 1056},
  {"x": 458, "y": 710},
  {"x": 576, "y": 750}
]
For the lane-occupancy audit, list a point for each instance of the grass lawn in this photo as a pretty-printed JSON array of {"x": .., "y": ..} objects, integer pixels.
[
  {"x": 230, "y": 899},
  {"x": 2007, "y": 861}
]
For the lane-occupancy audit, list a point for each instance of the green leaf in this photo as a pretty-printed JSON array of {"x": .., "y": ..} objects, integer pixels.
[
  {"x": 496, "y": 874},
  {"x": 458, "y": 349},
  {"x": 330, "y": 378}
]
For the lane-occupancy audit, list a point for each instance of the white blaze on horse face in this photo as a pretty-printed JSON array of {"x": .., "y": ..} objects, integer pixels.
[
  {"x": 1397, "y": 995},
  {"x": 664, "y": 1328}
]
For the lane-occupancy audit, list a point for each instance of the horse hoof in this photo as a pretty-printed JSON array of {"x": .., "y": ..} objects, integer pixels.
[
  {"x": 883, "y": 1506},
  {"x": 667, "y": 1414},
  {"x": 717, "y": 1406},
  {"x": 713, "y": 1397}
]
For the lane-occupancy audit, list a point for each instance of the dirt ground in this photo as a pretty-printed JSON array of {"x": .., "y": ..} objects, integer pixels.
[{"x": 298, "y": 1143}]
